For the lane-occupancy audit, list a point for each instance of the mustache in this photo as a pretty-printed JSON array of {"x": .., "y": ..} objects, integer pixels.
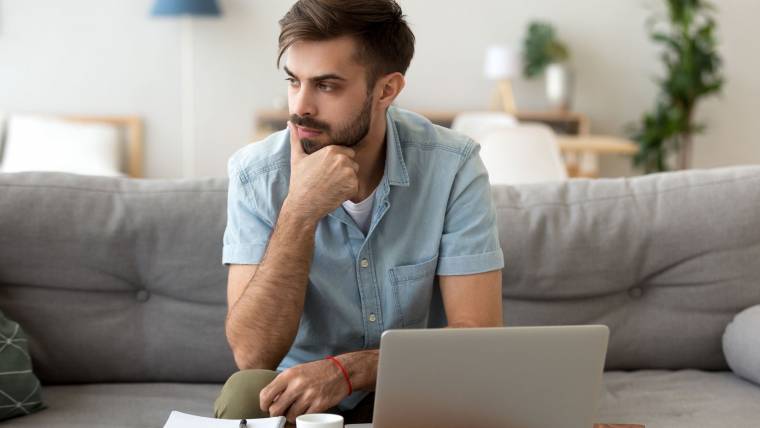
[{"x": 309, "y": 122}]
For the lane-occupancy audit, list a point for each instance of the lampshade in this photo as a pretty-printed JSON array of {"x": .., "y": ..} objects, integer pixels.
[
  {"x": 185, "y": 7},
  {"x": 502, "y": 62}
]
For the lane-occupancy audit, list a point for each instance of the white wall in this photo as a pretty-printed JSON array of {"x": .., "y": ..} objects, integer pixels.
[{"x": 110, "y": 57}]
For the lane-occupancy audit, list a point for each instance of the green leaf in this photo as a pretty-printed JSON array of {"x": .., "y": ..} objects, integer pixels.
[
  {"x": 541, "y": 48},
  {"x": 692, "y": 71}
]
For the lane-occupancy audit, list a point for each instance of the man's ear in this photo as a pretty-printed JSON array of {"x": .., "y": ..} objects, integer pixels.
[{"x": 390, "y": 86}]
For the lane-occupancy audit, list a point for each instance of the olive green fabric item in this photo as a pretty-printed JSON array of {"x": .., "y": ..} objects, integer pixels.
[
  {"x": 19, "y": 387},
  {"x": 239, "y": 399}
]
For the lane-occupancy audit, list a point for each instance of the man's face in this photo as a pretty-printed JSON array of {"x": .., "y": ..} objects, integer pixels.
[{"x": 327, "y": 96}]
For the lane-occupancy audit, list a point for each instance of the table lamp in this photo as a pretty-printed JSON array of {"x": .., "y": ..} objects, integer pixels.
[
  {"x": 186, "y": 10},
  {"x": 502, "y": 64}
]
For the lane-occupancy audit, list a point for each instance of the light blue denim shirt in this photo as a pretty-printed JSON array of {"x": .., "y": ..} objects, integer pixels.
[{"x": 432, "y": 215}]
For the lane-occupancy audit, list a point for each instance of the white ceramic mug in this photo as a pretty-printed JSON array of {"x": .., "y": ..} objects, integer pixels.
[{"x": 319, "y": 420}]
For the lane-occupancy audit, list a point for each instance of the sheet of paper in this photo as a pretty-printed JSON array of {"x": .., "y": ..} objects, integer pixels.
[{"x": 183, "y": 420}]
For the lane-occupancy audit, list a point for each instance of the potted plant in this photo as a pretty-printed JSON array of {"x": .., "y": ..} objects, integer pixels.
[
  {"x": 692, "y": 72},
  {"x": 543, "y": 51}
]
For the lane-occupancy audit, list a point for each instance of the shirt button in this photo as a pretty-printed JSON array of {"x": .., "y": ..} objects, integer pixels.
[
  {"x": 364, "y": 263},
  {"x": 372, "y": 318}
]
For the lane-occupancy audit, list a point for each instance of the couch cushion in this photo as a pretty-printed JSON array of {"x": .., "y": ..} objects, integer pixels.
[
  {"x": 121, "y": 280},
  {"x": 116, "y": 279},
  {"x": 132, "y": 405},
  {"x": 680, "y": 399},
  {"x": 664, "y": 260},
  {"x": 659, "y": 399}
]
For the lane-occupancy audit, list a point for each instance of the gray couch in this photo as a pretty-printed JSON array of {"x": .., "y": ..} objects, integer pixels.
[{"x": 120, "y": 287}]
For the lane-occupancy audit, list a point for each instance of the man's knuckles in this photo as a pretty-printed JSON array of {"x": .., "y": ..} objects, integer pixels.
[
  {"x": 309, "y": 397},
  {"x": 265, "y": 398},
  {"x": 348, "y": 172},
  {"x": 336, "y": 149},
  {"x": 341, "y": 159},
  {"x": 332, "y": 150}
]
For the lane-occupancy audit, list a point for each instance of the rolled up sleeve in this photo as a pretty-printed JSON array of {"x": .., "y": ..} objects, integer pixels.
[
  {"x": 470, "y": 240},
  {"x": 247, "y": 232}
]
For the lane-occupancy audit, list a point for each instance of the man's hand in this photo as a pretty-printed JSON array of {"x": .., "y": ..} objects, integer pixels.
[
  {"x": 307, "y": 388},
  {"x": 320, "y": 182}
]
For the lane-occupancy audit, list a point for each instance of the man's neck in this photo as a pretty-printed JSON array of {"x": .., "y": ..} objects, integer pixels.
[{"x": 371, "y": 159}]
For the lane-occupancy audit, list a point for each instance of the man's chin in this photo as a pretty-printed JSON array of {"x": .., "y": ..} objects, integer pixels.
[{"x": 310, "y": 145}]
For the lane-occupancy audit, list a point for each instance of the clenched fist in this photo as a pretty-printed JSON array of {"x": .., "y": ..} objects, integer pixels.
[
  {"x": 307, "y": 388},
  {"x": 321, "y": 181}
]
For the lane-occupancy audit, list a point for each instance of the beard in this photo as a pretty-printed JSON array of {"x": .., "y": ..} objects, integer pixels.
[{"x": 348, "y": 135}]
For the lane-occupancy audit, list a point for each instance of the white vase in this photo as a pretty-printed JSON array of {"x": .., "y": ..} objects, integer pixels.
[{"x": 559, "y": 82}]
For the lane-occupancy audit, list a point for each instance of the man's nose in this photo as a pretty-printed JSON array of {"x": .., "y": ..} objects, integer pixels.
[{"x": 302, "y": 102}]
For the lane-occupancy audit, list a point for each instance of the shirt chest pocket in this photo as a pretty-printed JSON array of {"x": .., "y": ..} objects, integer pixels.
[{"x": 412, "y": 287}]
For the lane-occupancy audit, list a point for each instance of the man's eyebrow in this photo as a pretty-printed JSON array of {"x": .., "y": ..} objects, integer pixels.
[
  {"x": 290, "y": 73},
  {"x": 321, "y": 77}
]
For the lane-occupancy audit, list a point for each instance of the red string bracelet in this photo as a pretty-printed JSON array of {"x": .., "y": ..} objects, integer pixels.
[{"x": 342, "y": 369}]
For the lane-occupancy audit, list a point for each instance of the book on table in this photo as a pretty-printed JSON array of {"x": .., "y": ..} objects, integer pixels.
[{"x": 184, "y": 420}]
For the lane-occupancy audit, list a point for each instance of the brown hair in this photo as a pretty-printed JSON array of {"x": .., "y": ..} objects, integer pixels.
[{"x": 385, "y": 42}]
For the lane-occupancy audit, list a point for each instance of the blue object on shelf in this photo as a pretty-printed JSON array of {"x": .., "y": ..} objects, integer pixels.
[{"x": 185, "y": 7}]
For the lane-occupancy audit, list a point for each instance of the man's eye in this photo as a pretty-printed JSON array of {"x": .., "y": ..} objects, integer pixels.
[
  {"x": 292, "y": 82},
  {"x": 323, "y": 87}
]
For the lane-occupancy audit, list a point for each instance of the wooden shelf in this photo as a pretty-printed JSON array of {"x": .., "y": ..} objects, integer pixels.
[{"x": 561, "y": 122}]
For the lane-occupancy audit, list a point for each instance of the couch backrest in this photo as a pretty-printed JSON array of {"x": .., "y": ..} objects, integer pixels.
[
  {"x": 664, "y": 260},
  {"x": 121, "y": 280},
  {"x": 116, "y": 279}
]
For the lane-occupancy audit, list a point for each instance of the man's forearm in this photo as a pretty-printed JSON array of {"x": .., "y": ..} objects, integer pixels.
[
  {"x": 263, "y": 323},
  {"x": 362, "y": 368}
]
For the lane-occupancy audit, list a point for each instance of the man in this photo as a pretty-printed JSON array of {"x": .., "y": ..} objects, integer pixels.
[{"x": 339, "y": 226}]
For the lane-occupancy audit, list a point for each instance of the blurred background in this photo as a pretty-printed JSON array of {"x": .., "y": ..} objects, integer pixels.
[{"x": 203, "y": 86}]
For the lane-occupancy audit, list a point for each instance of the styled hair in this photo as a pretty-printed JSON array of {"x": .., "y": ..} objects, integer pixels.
[{"x": 385, "y": 43}]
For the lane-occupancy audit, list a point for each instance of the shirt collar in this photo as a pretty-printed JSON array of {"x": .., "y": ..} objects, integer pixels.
[
  {"x": 395, "y": 167},
  {"x": 395, "y": 173}
]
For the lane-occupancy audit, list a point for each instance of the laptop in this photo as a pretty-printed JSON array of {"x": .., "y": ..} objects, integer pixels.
[{"x": 505, "y": 377}]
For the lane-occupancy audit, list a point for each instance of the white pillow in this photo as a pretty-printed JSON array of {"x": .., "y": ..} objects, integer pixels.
[
  {"x": 741, "y": 344},
  {"x": 35, "y": 143}
]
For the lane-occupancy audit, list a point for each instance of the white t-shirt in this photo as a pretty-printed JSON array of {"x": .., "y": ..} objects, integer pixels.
[{"x": 361, "y": 212}]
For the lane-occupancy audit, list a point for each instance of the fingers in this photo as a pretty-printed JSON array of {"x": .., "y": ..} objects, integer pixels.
[
  {"x": 316, "y": 407},
  {"x": 313, "y": 408},
  {"x": 270, "y": 393},
  {"x": 347, "y": 151},
  {"x": 296, "y": 149},
  {"x": 283, "y": 402},
  {"x": 298, "y": 408}
]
